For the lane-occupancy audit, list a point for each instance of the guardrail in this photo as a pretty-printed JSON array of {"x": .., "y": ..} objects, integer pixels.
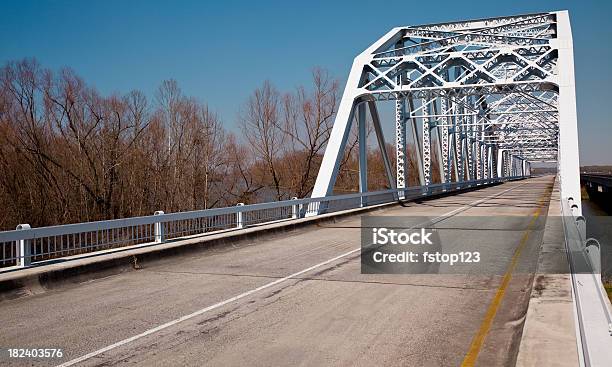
[
  {"x": 28, "y": 246},
  {"x": 592, "y": 305}
]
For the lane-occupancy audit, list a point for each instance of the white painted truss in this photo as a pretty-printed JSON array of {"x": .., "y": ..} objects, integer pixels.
[{"x": 487, "y": 96}]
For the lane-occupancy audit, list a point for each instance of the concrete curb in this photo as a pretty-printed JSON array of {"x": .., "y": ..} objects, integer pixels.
[
  {"x": 549, "y": 332},
  {"x": 82, "y": 268}
]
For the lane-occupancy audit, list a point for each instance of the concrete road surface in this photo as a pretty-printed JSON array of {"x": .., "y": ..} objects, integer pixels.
[{"x": 237, "y": 305}]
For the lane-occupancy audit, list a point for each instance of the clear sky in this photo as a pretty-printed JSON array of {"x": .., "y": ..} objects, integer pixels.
[{"x": 220, "y": 51}]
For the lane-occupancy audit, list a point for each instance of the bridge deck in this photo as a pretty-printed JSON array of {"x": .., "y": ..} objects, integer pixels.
[{"x": 330, "y": 315}]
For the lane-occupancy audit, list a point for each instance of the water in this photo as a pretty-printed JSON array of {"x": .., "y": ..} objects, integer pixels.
[{"x": 599, "y": 226}]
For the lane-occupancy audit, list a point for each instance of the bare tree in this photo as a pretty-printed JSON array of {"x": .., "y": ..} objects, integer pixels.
[
  {"x": 307, "y": 123},
  {"x": 70, "y": 154},
  {"x": 259, "y": 122}
]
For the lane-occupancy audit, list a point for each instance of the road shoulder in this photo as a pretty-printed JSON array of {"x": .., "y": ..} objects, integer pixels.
[{"x": 549, "y": 333}]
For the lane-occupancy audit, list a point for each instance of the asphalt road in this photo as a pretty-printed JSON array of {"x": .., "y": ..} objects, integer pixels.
[{"x": 240, "y": 307}]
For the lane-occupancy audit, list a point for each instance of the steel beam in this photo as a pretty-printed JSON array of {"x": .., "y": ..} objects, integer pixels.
[
  {"x": 400, "y": 144},
  {"x": 363, "y": 150}
]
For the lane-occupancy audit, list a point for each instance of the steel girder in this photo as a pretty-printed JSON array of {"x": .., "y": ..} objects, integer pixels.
[{"x": 497, "y": 94}]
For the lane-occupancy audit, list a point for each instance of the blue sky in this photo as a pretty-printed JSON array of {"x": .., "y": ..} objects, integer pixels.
[{"x": 220, "y": 51}]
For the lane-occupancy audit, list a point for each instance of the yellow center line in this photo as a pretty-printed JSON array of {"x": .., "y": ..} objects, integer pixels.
[{"x": 472, "y": 354}]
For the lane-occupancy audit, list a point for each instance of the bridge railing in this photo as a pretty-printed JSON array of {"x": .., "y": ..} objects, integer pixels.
[
  {"x": 28, "y": 246},
  {"x": 592, "y": 305}
]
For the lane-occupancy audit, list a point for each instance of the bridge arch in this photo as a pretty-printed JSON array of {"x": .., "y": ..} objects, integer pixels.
[{"x": 497, "y": 93}]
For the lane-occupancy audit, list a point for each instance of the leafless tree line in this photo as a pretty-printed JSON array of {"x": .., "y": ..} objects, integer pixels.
[{"x": 69, "y": 154}]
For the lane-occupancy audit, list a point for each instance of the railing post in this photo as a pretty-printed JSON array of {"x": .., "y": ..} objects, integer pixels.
[
  {"x": 593, "y": 250},
  {"x": 581, "y": 225},
  {"x": 295, "y": 210},
  {"x": 159, "y": 229},
  {"x": 239, "y": 217},
  {"x": 24, "y": 250}
]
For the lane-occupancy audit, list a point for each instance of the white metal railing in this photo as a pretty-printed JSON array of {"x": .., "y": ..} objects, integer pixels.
[
  {"x": 593, "y": 312},
  {"x": 28, "y": 246}
]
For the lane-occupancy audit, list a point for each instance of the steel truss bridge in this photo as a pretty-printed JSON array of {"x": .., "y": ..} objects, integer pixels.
[
  {"x": 497, "y": 94},
  {"x": 487, "y": 98}
]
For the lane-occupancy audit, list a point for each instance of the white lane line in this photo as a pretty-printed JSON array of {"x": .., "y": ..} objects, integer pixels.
[
  {"x": 248, "y": 293},
  {"x": 199, "y": 312},
  {"x": 474, "y": 203}
]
